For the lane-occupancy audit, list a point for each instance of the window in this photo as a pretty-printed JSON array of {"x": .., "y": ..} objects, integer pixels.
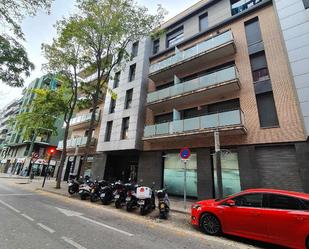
[
  {"x": 260, "y": 74},
  {"x": 306, "y": 4},
  {"x": 267, "y": 110},
  {"x": 306, "y": 204},
  {"x": 174, "y": 37},
  {"x": 116, "y": 80},
  {"x": 156, "y": 46},
  {"x": 203, "y": 22},
  {"x": 249, "y": 200},
  {"x": 132, "y": 72},
  {"x": 253, "y": 31},
  {"x": 134, "y": 49},
  {"x": 241, "y": 5},
  {"x": 112, "y": 106},
  {"x": 129, "y": 95},
  {"x": 108, "y": 131},
  {"x": 87, "y": 132},
  {"x": 283, "y": 202},
  {"x": 125, "y": 128},
  {"x": 164, "y": 118}
]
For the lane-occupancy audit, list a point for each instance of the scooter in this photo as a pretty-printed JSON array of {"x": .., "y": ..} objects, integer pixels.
[
  {"x": 97, "y": 190},
  {"x": 146, "y": 199},
  {"x": 73, "y": 185},
  {"x": 164, "y": 203},
  {"x": 107, "y": 194},
  {"x": 131, "y": 199},
  {"x": 85, "y": 189},
  {"x": 120, "y": 194}
]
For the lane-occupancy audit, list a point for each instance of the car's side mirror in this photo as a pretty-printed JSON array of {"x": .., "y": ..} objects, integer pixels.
[{"x": 230, "y": 203}]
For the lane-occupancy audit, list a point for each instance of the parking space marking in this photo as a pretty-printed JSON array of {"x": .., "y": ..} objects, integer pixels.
[
  {"x": 73, "y": 243},
  {"x": 9, "y": 206},
  {"x": 46, "y": 228},
  {"x": 27, "y": 217}
]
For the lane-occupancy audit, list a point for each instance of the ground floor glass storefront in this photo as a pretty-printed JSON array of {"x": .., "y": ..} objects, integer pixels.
[
  {"x": 174, "y": 174},
  {"x": 230, "y": 173}
]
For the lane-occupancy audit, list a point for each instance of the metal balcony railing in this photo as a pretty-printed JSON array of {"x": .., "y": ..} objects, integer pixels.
[
  {"x": 83, "y": 118},
  {"x": 76, "y": 142},
  {"x": 207, "y": 80},
  {"x": 202, "y": 123},
  {"x": 199, "y": 48}
]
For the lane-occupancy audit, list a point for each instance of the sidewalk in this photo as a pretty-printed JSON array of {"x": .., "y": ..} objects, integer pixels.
[{"x": 177, "y": 204}]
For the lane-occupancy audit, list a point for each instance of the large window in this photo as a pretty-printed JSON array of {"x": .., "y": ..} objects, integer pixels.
[
  {"x": 174, "y": 37},
  {"x": 112, "y": 106},
  {"x": 156, "y": 46},
  {"x": 203, "y": 22},
  {"x": 128, "y": 101},
  {"x": 125, "y": 128},
  {"x": 134, "y": 49},
  {"x": 132, "y": 72},
  {"x": 174, "y": 174},
  {"x": 242, "y": 5},
  {"x": 116, "y": 80},
  {"x": 230, "y": 173},
  {"x": 253, "y": 31},
  {"x": 108, "y": 131},
  {"x": 267, "y": 110}
]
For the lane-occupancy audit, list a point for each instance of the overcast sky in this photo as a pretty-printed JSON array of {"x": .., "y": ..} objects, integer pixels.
[{"x": 39, "y": 29}]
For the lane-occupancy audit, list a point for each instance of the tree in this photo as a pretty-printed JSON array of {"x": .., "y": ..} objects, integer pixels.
[
  {"x": 14, "y": 62},
  {"x": 65, "y": 60},
  {"x": 104, "y": 29}
]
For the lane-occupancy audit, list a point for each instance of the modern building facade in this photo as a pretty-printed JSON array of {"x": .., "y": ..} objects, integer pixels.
[
  {"x": 221, "y": 65},
  {"x": 122, "y": 124},
  {"x": 79, "y": 129},
  {"x": 15, "y": 157}
]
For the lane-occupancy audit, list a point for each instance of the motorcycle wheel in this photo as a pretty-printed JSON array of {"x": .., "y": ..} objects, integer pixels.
[
  {"x": 104, "y": 201},
  {"x": 118, "y": 204},
  {"x": 163, "y": 215},
  {"x": 83, "y": 197},
  {"x": 71, "y": 191},
  {"x": 129, "y": 207},
  {"x": 143, "y": 210},
  {"x": 93, "y": 198}
]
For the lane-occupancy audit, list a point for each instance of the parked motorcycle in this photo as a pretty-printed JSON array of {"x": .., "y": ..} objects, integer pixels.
[
  {"x": 120, "y": 194},
  {"x": 97, "y": 190},
  {"x": 85, "y": 189},
  {"x": 131, "y": 200},
  {"x": 164, "y": 203},
  {"x": 107, "y": 194},
  {"x": 73, "y": 185},
  {"x": 146, "y": 199}
]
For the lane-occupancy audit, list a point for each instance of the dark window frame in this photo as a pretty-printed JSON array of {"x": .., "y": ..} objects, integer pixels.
[
  {"x": 257, "y": 31},
  {"x": 128, "y": 99},
  {"x": 116, "y": 79},
  {"x": 155, "y": 46},
  {"x": 108, "y": 131},
  {"x": 200, "y": 19},
  {"x": 268, "y": 206},
  {"x": 132, "y": 72},
  {"x": 249, "y": 194},
  {"x": 125, "y": 128},
  {"x": 174, "y": 37},
  {"x": 112, "y": 106},
  {"x": 264, "y": 122},
  {"x": 134, "y": 51}
]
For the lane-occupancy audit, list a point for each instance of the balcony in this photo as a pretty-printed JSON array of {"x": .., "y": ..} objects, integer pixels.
[
  {"x": 76, "y": 142},
  {"x": 213, "y": 84},
  {"x": 231, "y": 122},
  {"x": 238, "y": 7},
  {"x": 83, "y": 120},
  {"x": 202, "y": 53}
]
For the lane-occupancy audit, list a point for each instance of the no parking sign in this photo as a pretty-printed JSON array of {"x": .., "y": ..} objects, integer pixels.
[{"x": 185, "y": 153}]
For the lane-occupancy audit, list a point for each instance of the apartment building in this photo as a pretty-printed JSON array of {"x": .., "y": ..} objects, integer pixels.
[
  {"x": 15, "y": 156},
  {"x": 221, "y": 65},
  {"x": 79, "y": 129},
  {"x": 122, "y": 124}
]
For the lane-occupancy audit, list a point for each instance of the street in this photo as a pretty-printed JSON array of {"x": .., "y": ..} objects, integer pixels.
[{"x": 41, "y": 220}]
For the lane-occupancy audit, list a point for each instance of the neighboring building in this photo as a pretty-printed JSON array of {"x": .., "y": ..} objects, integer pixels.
[
  {"x": 79, "y": 128},
  {"x": 121, "y": 130},
  {"x": 15, "y": 156},
  {"x": 221, "y": 65}
]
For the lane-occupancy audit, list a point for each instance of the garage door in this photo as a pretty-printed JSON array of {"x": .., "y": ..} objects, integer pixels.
[{"x": 278, "y": 168}]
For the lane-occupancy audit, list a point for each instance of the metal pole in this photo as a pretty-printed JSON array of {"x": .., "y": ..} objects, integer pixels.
[
  {"x": 218, "y": 165},
  {"x": 45, "y": 175},
  {"x": 185, "y": 186},
  {"x": 29, "y": 154}
]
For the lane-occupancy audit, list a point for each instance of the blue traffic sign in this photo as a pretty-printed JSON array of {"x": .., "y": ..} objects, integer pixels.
[{"x": 185, "y": 153}]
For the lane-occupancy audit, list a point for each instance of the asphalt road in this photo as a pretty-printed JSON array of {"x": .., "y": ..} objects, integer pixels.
[{"x": 36, "y": 220}]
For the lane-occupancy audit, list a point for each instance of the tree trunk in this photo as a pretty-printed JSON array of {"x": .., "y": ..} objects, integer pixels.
[{"x": 63, "y": 155}]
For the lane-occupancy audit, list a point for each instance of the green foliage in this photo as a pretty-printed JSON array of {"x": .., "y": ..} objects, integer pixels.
[
  {"x": 14, "y": 62},
  {"x": 47, "y": 106}
]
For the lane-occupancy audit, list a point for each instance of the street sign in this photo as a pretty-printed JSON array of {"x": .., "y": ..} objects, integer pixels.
[{"x": 185, "y": 153}]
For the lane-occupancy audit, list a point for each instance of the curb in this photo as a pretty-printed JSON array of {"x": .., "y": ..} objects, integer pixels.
[{"x": 66, "y": 195}]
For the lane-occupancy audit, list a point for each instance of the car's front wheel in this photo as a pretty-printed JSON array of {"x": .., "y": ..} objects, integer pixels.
[{"x": 210, "y": 224}]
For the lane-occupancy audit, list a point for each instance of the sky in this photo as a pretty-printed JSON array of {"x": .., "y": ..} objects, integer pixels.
[{"x": 39, "y": 29}]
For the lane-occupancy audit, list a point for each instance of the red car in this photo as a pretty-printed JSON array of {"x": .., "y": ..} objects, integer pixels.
[{"x": 275, "y": 216}]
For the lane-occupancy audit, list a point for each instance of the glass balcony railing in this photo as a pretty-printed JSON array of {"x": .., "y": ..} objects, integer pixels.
[
  {"x": 83, "y": 118},
  {"x": 195, "y": 50},
  {"x": 75, "y": 142},
  {"x": 226, "y": 74},
  {"x": 241, "y": 6},
  {"x": 222, "y": 119}
]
